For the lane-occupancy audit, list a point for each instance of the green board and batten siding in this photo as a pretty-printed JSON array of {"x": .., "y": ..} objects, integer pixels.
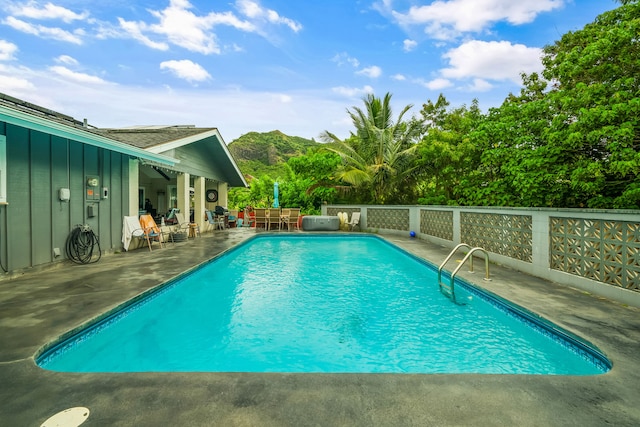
[{"x": 35, "y": 222}]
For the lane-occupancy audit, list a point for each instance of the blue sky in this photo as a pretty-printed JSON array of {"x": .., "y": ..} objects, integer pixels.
[{"x": 261, "y": 65}]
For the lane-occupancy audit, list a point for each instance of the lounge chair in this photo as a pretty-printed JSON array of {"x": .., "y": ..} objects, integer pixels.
[
  {"x": 131, "y": 230},
  {"x": 150, "y": 229},
  {"x": 181, "y": 225},
  {"x": 355, "y": 220}
]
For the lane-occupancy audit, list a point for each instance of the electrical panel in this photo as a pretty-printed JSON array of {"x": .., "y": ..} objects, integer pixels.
[{"x": 93, "y": 188}]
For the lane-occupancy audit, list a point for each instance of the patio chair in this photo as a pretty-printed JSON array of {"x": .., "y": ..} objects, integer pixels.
[
  {"x": 150, "y": 229},
  {"x": 249, "y": 219},
  {"x": 181, "y": 225},
  {"x": 232, "y": 218},
  {"x": 170, "y": 219},
  {"x": 215, "y": 220},
  {"x": 343, "y": 217},
  {"x": 131, "y": 230},
  {"x": 292, "y": 218},
  {"x": 284, "y": 217},
  {"x": 355, "y": 220},
  {"x": 261, "y": 218},
  {"x": 274, "y": 218}
]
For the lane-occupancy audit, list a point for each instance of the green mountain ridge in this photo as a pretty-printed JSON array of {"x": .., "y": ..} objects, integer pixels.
[{"x": 266, "y": 153}]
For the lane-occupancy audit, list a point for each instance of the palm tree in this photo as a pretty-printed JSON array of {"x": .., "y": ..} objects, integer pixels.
[{"x": 379, "y": 157}]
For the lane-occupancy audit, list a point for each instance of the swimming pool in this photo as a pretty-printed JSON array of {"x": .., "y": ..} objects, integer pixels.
[{"x": 320, "y": 303}]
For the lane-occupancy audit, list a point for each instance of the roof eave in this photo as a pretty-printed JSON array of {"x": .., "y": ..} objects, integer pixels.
[
  {"x": 32, "y": 122},
  {"x": 161, "y": 148}
]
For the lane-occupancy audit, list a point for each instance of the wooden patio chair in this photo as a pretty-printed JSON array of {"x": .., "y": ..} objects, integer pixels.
[
  {"x": 274, "y": 218},
  {"x": 292, "y": 219},
  {"x": 261, "y": 220}
]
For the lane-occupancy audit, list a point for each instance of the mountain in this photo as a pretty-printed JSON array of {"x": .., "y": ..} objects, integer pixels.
[{"x": 258, "y": 153}]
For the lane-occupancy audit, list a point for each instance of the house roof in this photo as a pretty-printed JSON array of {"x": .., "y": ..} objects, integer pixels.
[
  {"x": 31, "y": 116},
  {"x": 195, "y": 144},
  {"x": 203, "y": 147},
  {"x": 151, "y": 136}
]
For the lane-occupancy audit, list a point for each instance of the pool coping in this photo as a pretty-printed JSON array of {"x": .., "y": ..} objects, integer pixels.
[
  {"x": 569, "y": 341},
  {"x": 36, "y": 308}
]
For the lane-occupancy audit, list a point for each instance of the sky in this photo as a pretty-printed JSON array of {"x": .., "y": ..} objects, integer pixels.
[{"x": 264, "y": 65}]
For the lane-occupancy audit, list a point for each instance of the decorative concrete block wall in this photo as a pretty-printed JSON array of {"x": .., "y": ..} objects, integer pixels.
[
  {"x": 606, "y": 251},
  {"x": 594, "y": 250},
  {"x": 508, "y": 235},
  {"x": 437, "y": 223}
]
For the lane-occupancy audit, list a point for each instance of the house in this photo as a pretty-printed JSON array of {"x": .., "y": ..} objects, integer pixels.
[{"x": 57, "y": 172}]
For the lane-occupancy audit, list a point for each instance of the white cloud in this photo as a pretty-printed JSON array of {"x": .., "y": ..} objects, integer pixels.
[
  {"x": 185, "y": 29},
  {"x": 255, "y": 11},
  {"x": 352, "y": 91},
  {"x": 371, "y": 72},
  {"x": 409, "y": 45},
  {"x": 180, "y": 26},
  {"x": 45, "y": 32},
  {"x": 492, "y": 61},
  {"x": 186, "y": 70},
  {"x": 14, "y": 84},
  {"x": 66, "y": 59},
  {"x": 444, "y": 19},
  {"x": 344, "y": 58},
  {"x": 480, "y": 85},
  {"x": 76, "y": 77},
  {"x": 134, "y": 30},
  {"x": 436, "y": 84},
  {"x": 7, "y": 50},
  {"x": 48, "y": 11},
  {"x": 285, "y": 99},
  {"x": 398, "y": 77}
]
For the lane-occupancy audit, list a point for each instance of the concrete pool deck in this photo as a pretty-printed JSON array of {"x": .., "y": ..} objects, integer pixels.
[{"x": 38, "y": 307}]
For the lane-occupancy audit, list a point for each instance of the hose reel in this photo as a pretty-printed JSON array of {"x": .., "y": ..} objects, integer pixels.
[{"x": 82, "y": 244}]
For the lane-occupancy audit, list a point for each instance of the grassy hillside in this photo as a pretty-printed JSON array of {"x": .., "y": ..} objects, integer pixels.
[{"x": 266, "y": 153}]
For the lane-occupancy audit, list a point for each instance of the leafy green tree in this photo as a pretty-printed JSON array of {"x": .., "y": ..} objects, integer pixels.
[
  {"x": 517, "y": 165},
  {"x": 446, "y": 153},
  {"x": 313, "y": 177},
  {"x": 575, "y": 143},
  {"x": 597, "y": 96},
  {"x": 378, "y": 158}
]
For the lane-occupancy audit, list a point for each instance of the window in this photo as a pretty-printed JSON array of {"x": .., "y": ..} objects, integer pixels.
[{"x": 3, "y": 169}]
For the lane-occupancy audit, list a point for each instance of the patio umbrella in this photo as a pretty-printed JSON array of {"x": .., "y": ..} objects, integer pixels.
[{"x": 276, "y": 202}]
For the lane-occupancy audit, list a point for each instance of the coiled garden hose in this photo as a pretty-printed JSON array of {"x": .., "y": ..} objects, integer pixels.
[{"x": 81, "y": 245}]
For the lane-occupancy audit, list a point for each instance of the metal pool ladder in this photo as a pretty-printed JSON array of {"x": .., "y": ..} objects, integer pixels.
[{"x": 449, "y": 290}]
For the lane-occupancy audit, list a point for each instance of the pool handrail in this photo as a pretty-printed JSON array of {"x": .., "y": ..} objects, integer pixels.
[{"x": 451, "y": 288}]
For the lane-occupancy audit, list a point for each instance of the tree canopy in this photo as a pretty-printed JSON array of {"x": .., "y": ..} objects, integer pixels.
[{"x": 570, "y": 138}]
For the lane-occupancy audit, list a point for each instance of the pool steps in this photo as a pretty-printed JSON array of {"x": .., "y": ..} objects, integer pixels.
[{"x": 449, "y": 290}]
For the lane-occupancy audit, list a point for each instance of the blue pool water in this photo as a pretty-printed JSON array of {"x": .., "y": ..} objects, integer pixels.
[{"x": 321, "y": 304}]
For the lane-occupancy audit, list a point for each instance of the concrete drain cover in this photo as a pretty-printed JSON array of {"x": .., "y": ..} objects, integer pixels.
[{"x": 71, "y": 417}]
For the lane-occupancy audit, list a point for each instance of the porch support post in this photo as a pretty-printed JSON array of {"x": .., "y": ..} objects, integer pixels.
[
  {"x": 183, "y": 195},
  {"x": 199, "y": 199},
  {"x": 223, "y": 194},
  {"x": 134, "y": 181}
]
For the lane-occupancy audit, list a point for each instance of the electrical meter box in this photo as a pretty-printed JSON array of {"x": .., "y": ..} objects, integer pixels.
[{"x": 92, "y": 188}]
